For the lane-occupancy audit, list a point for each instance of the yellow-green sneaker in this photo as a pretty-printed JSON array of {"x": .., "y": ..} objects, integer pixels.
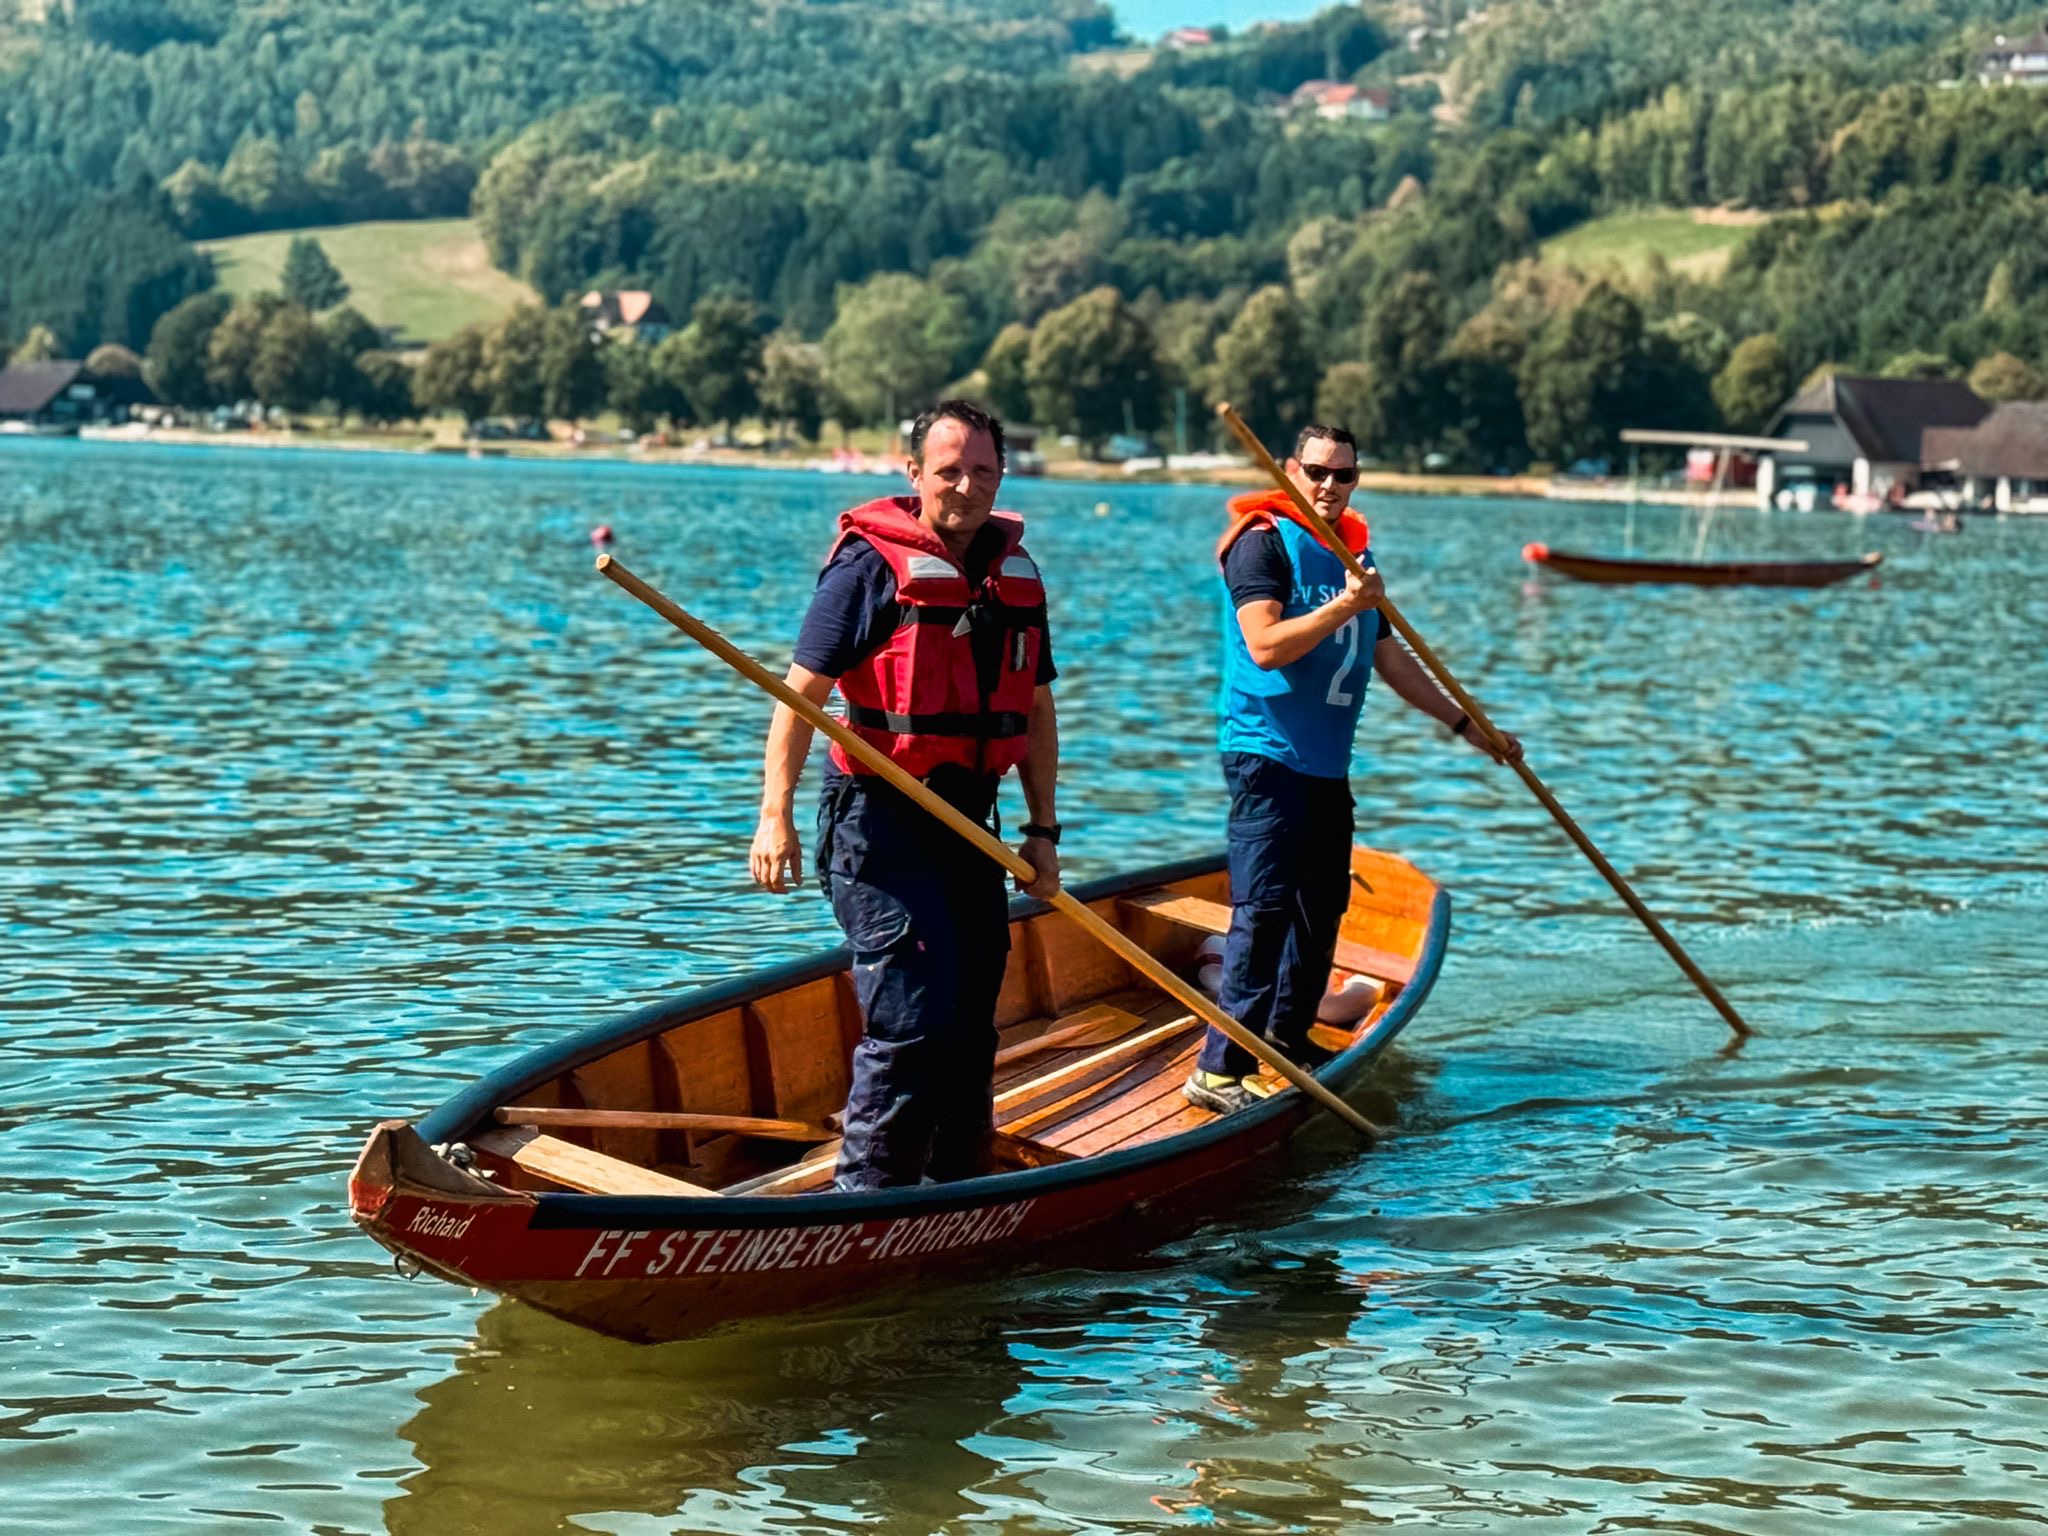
[{"x": 1217, "y": 1092}]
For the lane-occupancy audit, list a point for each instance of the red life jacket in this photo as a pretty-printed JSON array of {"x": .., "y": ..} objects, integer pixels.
[
  {"x": 1260, "y": 509},
  {"x": 919, "y": 697}
]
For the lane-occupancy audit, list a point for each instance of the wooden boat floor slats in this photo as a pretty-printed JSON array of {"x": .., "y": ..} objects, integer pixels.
[
  {"x": 741, "y": 1101},
  {"x": 1092, "y": 1068},
  {"x": 1214, "y": 917}
]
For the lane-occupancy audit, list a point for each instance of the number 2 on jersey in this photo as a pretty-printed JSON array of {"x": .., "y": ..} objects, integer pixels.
[{"x": 1338, "y": 694}]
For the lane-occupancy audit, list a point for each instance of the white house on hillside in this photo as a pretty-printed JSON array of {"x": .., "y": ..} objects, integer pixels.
[{"x": 2015, "y": 62}]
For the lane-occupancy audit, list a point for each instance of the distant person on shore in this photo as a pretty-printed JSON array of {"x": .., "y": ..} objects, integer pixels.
[
  {"x": 929, "y": 617},
  {"x": 1301, "y": 639}
]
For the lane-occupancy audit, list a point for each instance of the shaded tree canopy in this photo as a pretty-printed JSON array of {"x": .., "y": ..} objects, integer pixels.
[
  {"x": 1093, "y": 369},
  {"x": 309, "y": 279}
]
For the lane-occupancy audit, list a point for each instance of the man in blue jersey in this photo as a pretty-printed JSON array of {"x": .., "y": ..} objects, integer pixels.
[{"x": 1301, "y": 639}]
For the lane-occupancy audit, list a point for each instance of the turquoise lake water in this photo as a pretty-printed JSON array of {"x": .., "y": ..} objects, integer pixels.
[{"x": 330, "y": 781}]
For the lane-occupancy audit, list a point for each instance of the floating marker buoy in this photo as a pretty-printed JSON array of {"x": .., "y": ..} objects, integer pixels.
[
  {"x": 601, "y": 535},
  {"x": 1535, "y": 554},
  {"x": 1102, "y": 509}
]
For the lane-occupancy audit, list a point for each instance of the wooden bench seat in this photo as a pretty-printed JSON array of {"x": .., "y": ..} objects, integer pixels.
[
  {"x": 579, "y": 1168},
  {"x": 662, "y": 1120},
  {"x": 1206, "y": 916}
]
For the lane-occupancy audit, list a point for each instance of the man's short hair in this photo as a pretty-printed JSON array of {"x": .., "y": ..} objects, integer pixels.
[
  {"x": 1316, "y": 429},
  {"x": 965, "y": 412}
]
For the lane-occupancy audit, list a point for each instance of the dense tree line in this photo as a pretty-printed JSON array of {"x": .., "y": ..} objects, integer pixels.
[
  {"x": 255, "y": 117},
  {"x": 843, "y": 240},
  {"x": 1796, "y": 143},
  {"x": 88, "y": 263},
  {"x": 1195, "y": 190},
  {"x": 1957, "y": 276},
  {"x": 267, "y": 350},
  {"x": 1537, "y": 62},
  {"x": 113, "y": 90}
]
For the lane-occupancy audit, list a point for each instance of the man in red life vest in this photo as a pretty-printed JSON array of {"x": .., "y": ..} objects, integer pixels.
[
  {"x": 1301, "y": 639},
  {"x": 929, "y": 617}
]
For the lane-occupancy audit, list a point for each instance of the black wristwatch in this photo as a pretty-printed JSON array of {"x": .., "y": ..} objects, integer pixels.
[
  {"x": 1464, "y": 724},
  {"x": 1050, "y": 832}
]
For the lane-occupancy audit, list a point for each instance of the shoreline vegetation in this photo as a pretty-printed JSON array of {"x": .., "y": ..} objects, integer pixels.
[{"x": 878, "y": 461}]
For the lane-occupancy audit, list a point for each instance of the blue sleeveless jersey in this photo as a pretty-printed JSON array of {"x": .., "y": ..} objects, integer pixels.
[{"x": 1304, "y": 714}]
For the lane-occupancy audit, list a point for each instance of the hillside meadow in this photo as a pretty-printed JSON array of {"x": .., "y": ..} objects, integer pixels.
[{"x": 427, "y": 278}]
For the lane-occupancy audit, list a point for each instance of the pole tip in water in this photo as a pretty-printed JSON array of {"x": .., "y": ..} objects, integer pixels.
[
  {"x": 604, "y": 562},
  {"x": 1222, "y": 408}
]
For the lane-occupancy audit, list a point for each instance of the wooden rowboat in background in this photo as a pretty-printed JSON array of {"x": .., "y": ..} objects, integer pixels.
[
  {"x": 670, "y": 1171},
  {"x": 1700, "y": 573}
]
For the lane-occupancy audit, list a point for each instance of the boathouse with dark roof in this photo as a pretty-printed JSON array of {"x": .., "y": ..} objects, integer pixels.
[
  {"x": 2003, "y": 460},
  {"x": 1863, "y": 437},
  {"x": 58, "y": 397}
]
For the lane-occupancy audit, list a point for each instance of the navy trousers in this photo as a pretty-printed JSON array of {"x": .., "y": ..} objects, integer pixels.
[
  {"x": 1290, "y": 881},
  {"x": 928, "y": 920}
]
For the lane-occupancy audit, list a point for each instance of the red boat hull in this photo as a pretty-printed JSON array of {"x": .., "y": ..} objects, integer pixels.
[
  {"x": 668, "y": 1281},
  {"x": 1719, "y": 573}
]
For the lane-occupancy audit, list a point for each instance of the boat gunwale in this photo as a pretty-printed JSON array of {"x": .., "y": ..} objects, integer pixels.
[{"x": 473, "y": 1107}]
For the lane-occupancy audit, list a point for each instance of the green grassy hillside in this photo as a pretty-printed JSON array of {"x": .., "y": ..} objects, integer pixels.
[
  {"x": 429, "y": 278},
  {"x": 1696, "y": 242}
]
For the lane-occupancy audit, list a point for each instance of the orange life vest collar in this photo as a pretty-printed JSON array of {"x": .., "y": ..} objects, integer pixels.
[{"x": 1261, "y": 509}]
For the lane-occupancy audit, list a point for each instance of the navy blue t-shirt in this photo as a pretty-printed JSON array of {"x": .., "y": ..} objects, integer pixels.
[{"x": 1256, "y": 570}]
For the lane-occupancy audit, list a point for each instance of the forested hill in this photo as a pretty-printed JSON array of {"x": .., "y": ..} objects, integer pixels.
[
  {"x": 306, "y": 101},
  {"x": 249, "y": 114},
  {"x": 1535, "y": 62},
  {"x": 909, "y": 196}
]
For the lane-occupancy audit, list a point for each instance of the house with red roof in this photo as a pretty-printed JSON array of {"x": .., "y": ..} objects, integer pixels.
[
  {"x": 631, "y": 314},
  {"x": 1334, "y": 101}
]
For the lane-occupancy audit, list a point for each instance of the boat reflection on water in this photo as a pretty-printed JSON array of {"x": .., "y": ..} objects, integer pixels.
[
  {"x": 919, "y": 1411},
  {"x": 542, "y": 1422}
]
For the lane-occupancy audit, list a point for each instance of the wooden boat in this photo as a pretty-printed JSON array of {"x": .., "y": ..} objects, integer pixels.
[
  {"x": 670, "y": 1171},
  {"x": 1701, "y": 573}
]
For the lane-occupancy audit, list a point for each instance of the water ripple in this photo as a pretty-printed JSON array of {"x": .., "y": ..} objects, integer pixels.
[{"x": 330, "y": 783}]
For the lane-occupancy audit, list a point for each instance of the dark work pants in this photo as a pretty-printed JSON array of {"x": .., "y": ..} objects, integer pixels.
[
  {"x": 928, "y": 920},
  {"x": 1290, "y": 881}
]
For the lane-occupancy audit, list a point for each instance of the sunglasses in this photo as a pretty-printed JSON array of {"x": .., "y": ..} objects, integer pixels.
[{"x": 1318, "y": 473}]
